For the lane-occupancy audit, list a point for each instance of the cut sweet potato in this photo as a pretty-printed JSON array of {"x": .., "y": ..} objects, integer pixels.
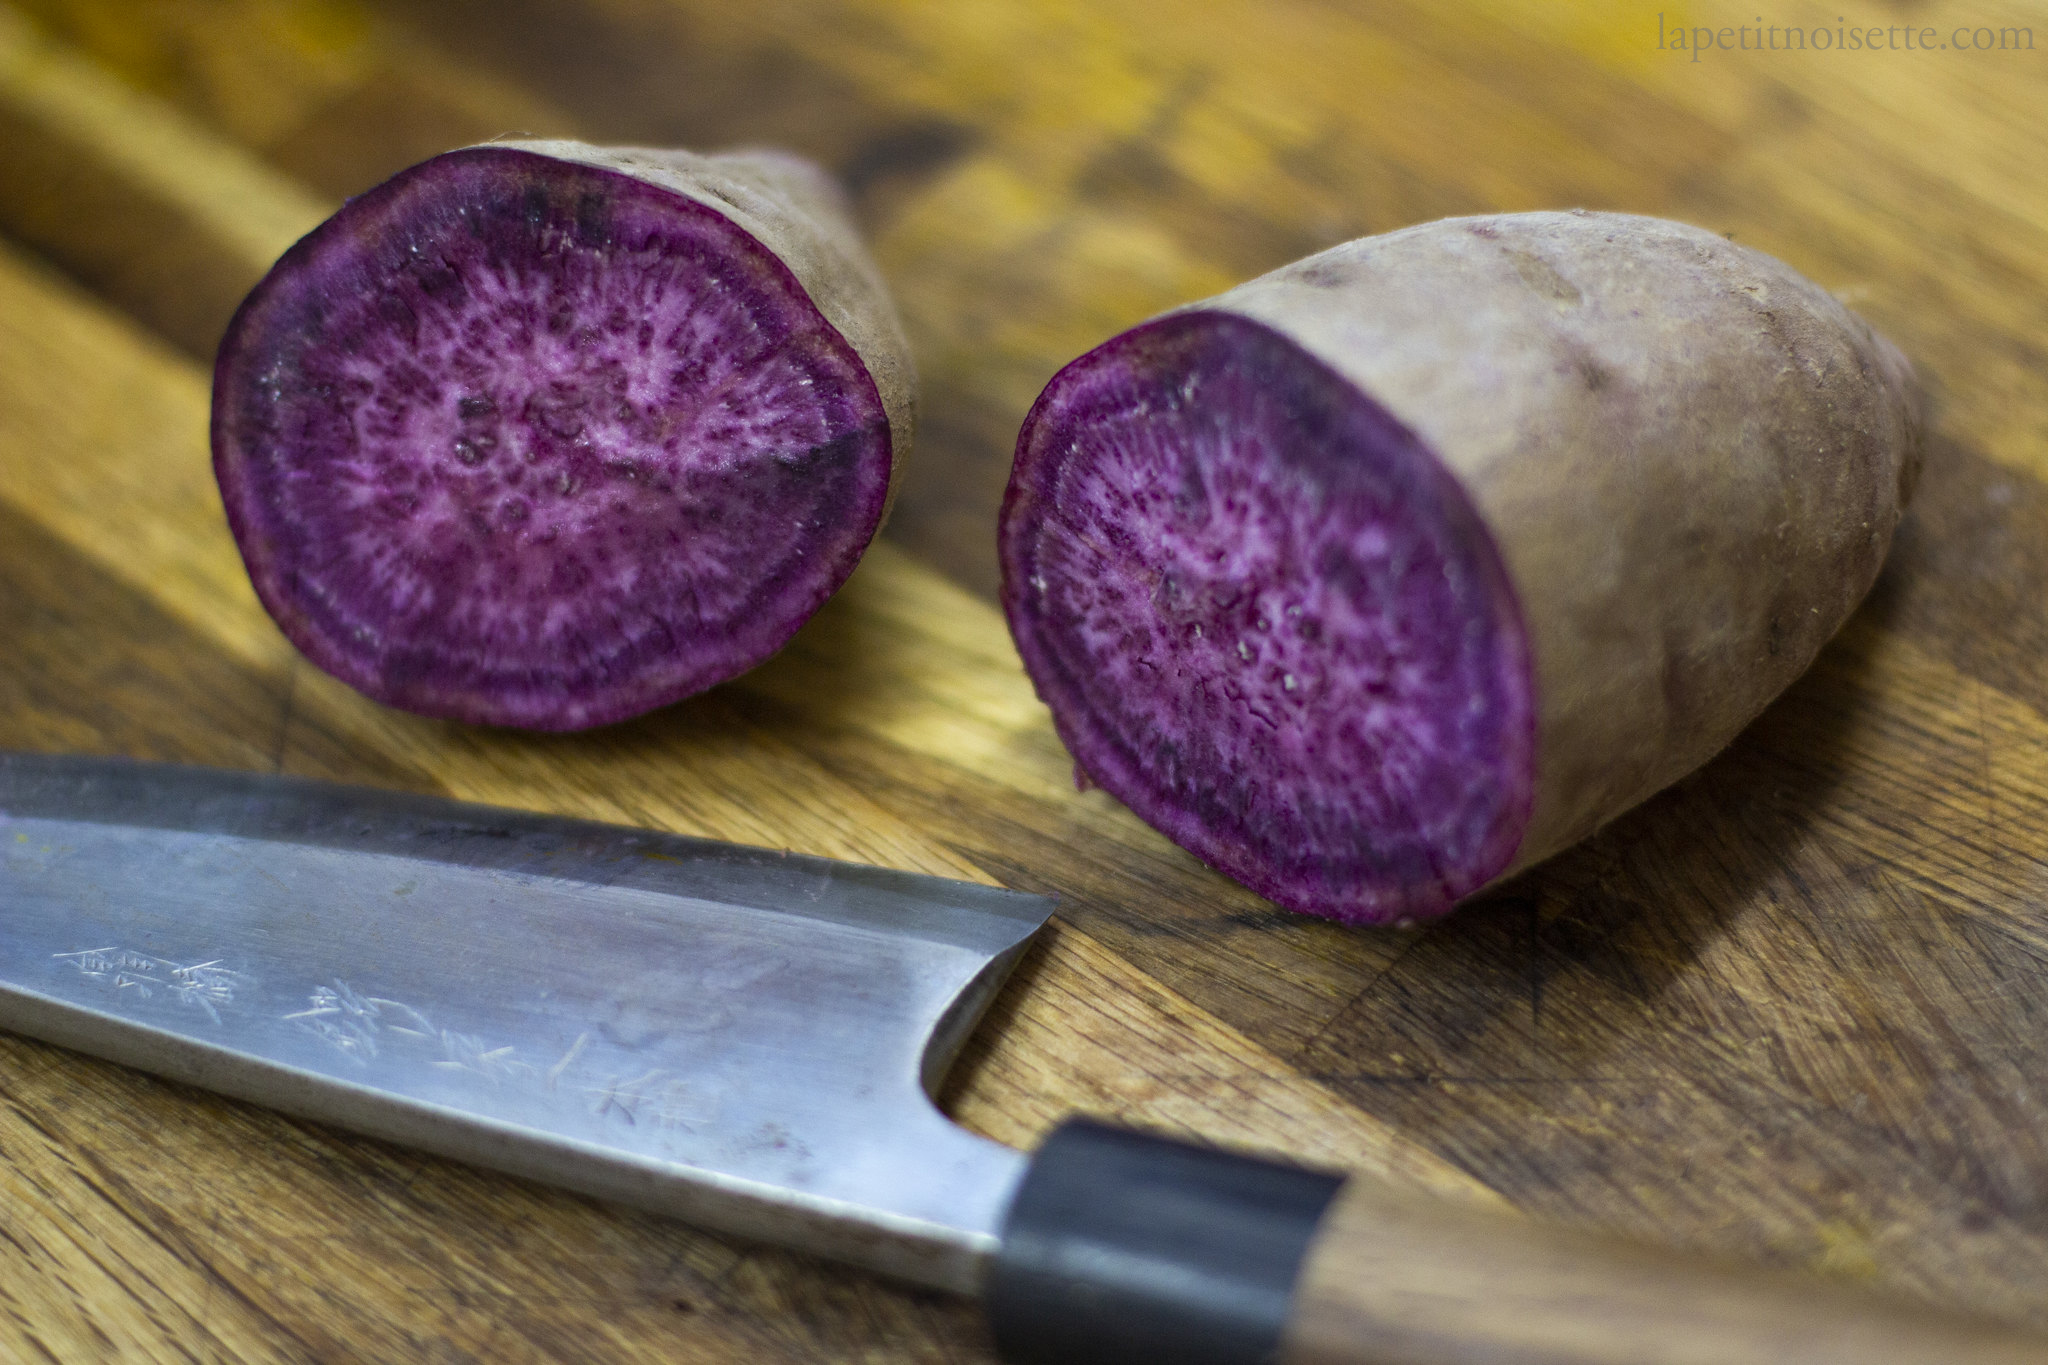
[
  {"x": 1394, "y": 571},
  {"x": 549, "y": 435}
]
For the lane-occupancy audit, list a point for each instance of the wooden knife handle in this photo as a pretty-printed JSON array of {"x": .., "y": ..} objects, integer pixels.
[
  {"x": 1124, "y": 1247},
  {"x": 1398, "y": 1278}
]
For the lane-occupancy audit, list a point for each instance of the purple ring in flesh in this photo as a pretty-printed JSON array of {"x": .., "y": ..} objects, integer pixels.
[
  {"x": 1269, "y": 620},
  {"x": 520, "y": 441}
]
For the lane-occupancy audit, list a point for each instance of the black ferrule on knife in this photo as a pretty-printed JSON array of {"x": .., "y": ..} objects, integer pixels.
[{"x": 1123, "y": 1247}]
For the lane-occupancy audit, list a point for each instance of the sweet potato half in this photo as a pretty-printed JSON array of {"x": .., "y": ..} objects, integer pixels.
[
  {"x": 547, "y": 435},
  {"x": 1390, "y": 573}
]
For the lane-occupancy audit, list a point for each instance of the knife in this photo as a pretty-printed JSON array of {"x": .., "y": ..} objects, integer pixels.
[{"x": 748, "y": 1041}]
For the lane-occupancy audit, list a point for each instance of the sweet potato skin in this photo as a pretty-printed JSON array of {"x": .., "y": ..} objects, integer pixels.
[{"x": 1690, "y": 458}]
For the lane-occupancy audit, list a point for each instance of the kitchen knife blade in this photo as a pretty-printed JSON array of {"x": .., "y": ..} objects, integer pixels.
[
  {"x": 738, "y": 1037},
  {"x": 748, "y": 1040}
]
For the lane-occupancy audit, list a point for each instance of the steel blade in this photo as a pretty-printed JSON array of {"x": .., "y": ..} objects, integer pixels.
[{"x": 740, "y": 1038}]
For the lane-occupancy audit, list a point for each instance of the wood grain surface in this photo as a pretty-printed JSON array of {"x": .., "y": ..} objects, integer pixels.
[{"x": 1792, "y": 1010}]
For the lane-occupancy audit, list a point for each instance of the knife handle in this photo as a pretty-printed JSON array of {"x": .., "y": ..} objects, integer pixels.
[{"x": 1124, "y": 1247}]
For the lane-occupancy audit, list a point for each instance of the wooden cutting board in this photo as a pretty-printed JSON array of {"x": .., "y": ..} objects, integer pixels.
[{"x": 1791, "y": 1009}]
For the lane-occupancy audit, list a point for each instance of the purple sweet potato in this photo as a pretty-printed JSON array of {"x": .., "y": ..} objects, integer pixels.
[
  {"x": 1390, "y": 573},
  {"x": 548, "y": 435}
]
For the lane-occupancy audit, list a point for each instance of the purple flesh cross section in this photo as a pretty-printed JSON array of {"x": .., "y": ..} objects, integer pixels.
[
  {"x": 520, "y": 441},
  {"x": 1269, "y": 620}
]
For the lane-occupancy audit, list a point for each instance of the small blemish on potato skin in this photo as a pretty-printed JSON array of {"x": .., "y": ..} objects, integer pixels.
[
  {"x": 1542, "y": 278},
  {"x": 1322, "y": 274}
]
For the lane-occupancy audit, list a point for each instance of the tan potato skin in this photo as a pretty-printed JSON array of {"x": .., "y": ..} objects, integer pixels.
[
  {"x": 1691, "y": 459},
  {"x": 798, "y": 212}
]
